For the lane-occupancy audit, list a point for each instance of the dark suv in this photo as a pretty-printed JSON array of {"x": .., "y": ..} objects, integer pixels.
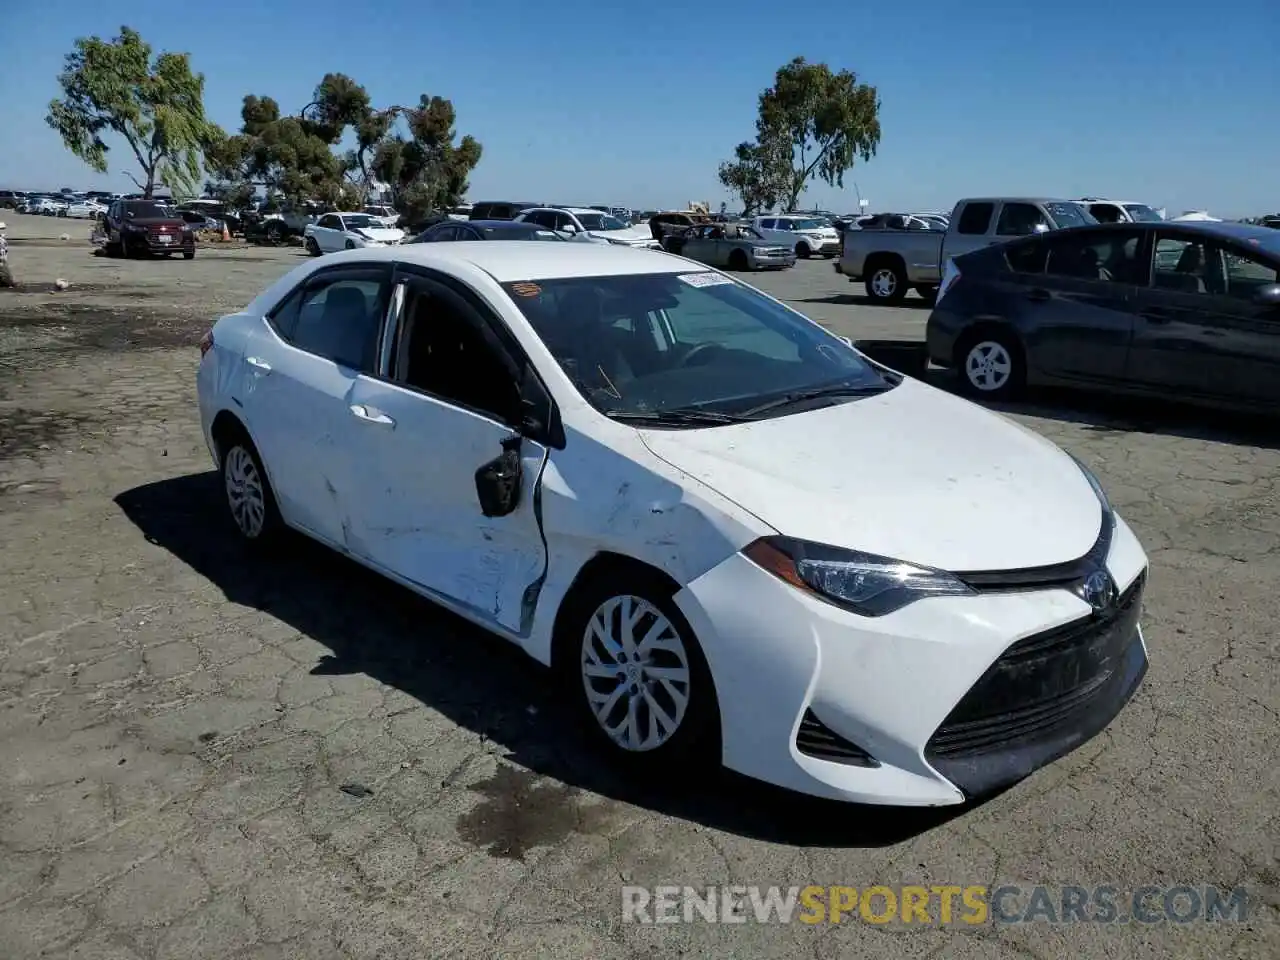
[
  {"x": 138, "y": 227},
  {"x": 499, "y": 209}
]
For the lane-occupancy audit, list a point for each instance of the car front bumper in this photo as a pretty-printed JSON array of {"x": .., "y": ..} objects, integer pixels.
[{"x": 942, "y": 701}]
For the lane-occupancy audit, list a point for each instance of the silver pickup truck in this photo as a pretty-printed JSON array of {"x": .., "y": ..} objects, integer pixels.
[{"x": 892, "y": 259}]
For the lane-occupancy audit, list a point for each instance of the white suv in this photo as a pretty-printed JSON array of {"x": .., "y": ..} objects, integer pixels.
[
  {"x": 1119, "y": 211},
  {"x": 589, "y": 224},
  {"x": 807, "y": 235}
]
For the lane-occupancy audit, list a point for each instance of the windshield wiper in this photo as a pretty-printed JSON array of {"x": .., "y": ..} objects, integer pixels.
[
  {"x": 800, "y": 396},
  {"x": 676, "y": 417}
]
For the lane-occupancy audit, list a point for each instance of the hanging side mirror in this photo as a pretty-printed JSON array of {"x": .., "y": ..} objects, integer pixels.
[{"x": 498, "y": 482}]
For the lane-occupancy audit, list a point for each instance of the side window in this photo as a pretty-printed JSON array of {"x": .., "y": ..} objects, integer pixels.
[
  {"x": 542, "y": 218},
  {"x": 1246, "y": 275},
  {"x": 1025, "y": 256},
  {"x": 465, "y": 233},
  {"x": 443, "y": 233},
  {"x": 1105, "y": 213},
  {"x": 445, "y": 353},
  {"x": 1181, "y": 265},
  {"x": 1111, "y": 257},
  {"x": 338, "y": 321},
  {"x": 1020, "y": 220},
  {"x": 975, "y": 218}
]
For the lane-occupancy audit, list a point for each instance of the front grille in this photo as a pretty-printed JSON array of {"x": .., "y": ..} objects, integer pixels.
[
  {"x": 816, "y": 739},
  {"x": 1042, "y": 683}
]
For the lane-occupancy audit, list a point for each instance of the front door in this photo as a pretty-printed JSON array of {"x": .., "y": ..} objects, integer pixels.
[
  {"x": 1199, "y": 328},
  {"x": 446, "y": 408},
  {"x": 299, "y": 368}
]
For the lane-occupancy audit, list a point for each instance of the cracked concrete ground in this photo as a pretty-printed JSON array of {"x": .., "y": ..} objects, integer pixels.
[{"x": 202, "y": 755}]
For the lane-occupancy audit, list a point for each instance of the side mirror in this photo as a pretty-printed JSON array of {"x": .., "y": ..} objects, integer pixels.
[
  {"x": 569, "y": 228},
  {"x": 1268, "y": 296},
  {"x": 846, "y": 341},
  {"x": 498, "y": 481}
]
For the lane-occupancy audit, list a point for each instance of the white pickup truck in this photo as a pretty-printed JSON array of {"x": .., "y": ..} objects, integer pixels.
[{"x": 892, "y": 260}]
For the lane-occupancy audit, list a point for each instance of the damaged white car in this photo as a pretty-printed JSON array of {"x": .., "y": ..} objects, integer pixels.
[
  {"x": 731, "y": 535},
  {"x": 348, "y": 231}
]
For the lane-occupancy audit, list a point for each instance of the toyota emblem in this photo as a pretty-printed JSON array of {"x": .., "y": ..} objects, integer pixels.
[{"x": 1098, "y": 590}]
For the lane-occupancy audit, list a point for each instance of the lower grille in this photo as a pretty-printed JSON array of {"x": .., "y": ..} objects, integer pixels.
[
  {"x": 816, "y": 739},
  {"x": 1044, "y": 696}
]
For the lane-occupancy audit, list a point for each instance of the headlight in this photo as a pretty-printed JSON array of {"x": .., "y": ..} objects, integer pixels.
[{"x": 863, "y": 583}]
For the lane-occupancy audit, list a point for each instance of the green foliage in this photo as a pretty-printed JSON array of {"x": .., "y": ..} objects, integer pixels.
[
  {"x": 412, "y": 149},
  {"x": 818, "y": 123},
  {"x": 156, "y": 107},
  {"x": 758, "y": 175}
]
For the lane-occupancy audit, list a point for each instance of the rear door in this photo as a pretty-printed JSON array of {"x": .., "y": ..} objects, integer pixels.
[
  {"x": 1199, "y": 328},
  {"x": 1076, "y": 296},
  {"x": 299, "y": 368}
]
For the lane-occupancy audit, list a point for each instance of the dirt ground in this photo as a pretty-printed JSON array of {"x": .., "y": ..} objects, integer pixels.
[{"x": 202, "y": 755}]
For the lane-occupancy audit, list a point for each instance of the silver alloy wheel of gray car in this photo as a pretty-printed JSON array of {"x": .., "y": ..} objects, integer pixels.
[
  {"x": 988, "y": 366},
  {"x": 636, "y": 673},
  {"x": 245, "y": 493},
  {"x": 884, "y": 283}
]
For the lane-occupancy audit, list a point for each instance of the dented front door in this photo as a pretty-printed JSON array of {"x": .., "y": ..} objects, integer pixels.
[{"x": 419, "y": 515}]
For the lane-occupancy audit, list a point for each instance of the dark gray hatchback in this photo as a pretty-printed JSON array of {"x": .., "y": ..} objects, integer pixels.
[{"x": 1189, "y": 309}]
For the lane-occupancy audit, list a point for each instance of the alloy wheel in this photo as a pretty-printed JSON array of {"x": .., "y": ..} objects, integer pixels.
[
  {"x": 636, "y": 673},
  {"x": 245, "y": 493},
  {"x": 884, "y": 283},
  {"x": 988, "y": 366}
]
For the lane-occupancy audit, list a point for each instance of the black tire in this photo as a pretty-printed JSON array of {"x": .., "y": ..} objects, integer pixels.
[
  {"x": 928, "y": 292},
  {"x": 351, "y": 245},
  {"x": 237, "y": 455},
  {"x": 803, "y": 250},
  {"x": 113, "y": 249},
  {"x": 738, "y": 261},
  {"x": 189, "y": 254},
  {"x": 313, "y": 248},
  {"x": 991, "y": 364},
  {"x": 695, "y": 744},
  {"x": 886, "y": 283},
  {"x": 275, "y": 231}
]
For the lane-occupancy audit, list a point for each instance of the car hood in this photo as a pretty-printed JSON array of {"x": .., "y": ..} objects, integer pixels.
[
  {"x": 630, "y": 235},
  {"x": 385, "y": 234},
  {"x": 914, "y": 474}
]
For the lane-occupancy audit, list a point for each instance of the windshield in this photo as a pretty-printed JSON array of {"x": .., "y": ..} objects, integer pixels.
[
  {"x": 148, "y": 211},
  {"x": 1069, "y": 215},
  {"x": 1142, "y": 213},
  {"x": 599, "y": 221},
  {"x": 643, "y": 344},
  {"x": 812, "y": 223},
  {"x": 358, "y": 221}
]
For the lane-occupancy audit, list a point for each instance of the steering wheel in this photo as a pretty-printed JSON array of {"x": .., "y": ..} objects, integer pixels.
[{"x": 697, "y": 350}]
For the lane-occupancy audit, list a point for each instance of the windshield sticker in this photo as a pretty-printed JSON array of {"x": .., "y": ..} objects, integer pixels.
[
  {"x": 707, "y": 279},
  {"x": 526, "y": 289}
]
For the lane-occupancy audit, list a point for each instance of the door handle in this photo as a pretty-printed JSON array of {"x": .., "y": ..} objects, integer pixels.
[
  {"x": 258, "y": 364},
  {"x": 369, "y": 415},
  {"x": 1038, "y": 294}
]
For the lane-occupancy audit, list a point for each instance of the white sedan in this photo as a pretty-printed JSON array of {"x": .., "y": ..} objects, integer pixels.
[
  {"x": 730, "y": 534},
  {"x": 348, "y": 231}
]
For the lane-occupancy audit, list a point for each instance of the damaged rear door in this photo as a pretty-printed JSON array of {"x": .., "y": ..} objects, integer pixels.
[{"x": 452, "y": 456}]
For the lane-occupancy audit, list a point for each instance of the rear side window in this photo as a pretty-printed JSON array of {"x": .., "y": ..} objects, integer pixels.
[
  {"x": 338, "y": 321},
  {"x": 1110, "y": 257},
  {"x": 975, "y": 218},
  {"x": 1027, "y": 256}
]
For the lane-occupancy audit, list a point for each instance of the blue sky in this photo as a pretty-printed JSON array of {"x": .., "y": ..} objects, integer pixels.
[{"x": 618, "y": 101}]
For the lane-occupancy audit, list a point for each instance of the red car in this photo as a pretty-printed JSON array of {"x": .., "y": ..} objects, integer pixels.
[{"x": 138, "y": 227}]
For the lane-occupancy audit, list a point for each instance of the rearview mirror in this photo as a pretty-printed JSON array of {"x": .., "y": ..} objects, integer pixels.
[{"x": 1268, "y": 296}]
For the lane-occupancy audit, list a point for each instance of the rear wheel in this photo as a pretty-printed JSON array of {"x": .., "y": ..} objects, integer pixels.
[
  {"x": 313, "y": 248},
  {"x": 991, "y": 364},
  {"x": 886, "y": 283},
  {"x": 351, "y": 245},
  {"x": 738, "y": 261},
  {"x": 248, "y": 494}
]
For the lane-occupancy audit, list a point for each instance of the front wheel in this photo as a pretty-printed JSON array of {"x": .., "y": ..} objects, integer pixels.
[
  {"x": 803, "y": 251},
  {"x": 351, "y": 245},
  {"x": 738, "y": 261},
  {"x": 313, "y": 248},
  {"x": 633, "y": 667},
  {"x": 189, "y": 254},
  {"x": 248, "y": 494},
  {"x": 992, "y": 365}
]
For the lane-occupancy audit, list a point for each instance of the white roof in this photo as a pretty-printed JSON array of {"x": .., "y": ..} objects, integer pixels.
[{"x": 510, "y": 260}]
